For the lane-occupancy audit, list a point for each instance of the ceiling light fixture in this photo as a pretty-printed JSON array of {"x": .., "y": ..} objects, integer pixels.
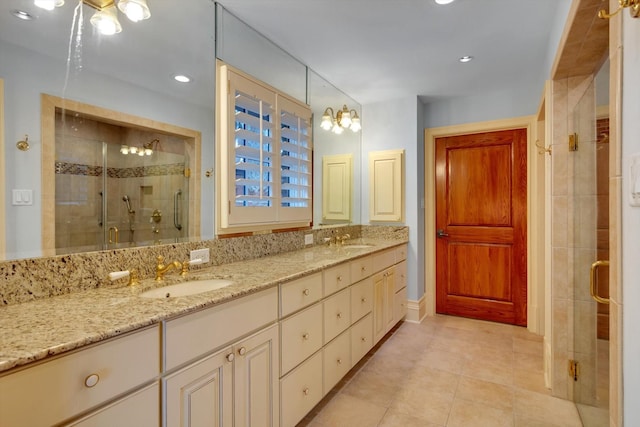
[
  {"x": 48, "y": 4},
  {"x": 182, "y": 78},
  {"x": 444, "y": 1},
  {"x": 136, "y": 10},
  {"x": 343, "y": 119},
  {"x": 21, "y": 14},
  {"x": 106, "y": 21},
  {"x": 465, "y": 58}
]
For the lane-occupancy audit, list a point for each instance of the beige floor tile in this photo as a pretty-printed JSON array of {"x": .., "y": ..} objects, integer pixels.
[
  {"x": 535, "y": 406},
  {"x": 347, "y": 411},
  {"x": 442, "y": 360},
  {"x": 435, "y": 380},
  {"x": 469, "y": 414},
  {"x": 485, "y": 393},
  {"x": 373, "y": 387},
  {"x": 491, "y": 370},
  {"x": 429, "y": 405},
  {"x": 396, "y": 419},
  {"x": 593, "y": 417},
  {"x": 527, "y": 346}
]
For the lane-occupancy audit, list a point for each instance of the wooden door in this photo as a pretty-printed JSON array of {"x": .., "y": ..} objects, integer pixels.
[{"x": 481, "y": 221}]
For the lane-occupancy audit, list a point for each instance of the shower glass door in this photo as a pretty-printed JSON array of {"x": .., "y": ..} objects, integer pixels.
[{"x": 589, "y": 185}]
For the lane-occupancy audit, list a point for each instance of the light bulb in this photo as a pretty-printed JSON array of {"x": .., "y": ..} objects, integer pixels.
[
  {"x": 337, "y": 129},
  {"x": 141, "y": 153},
  {"x": 135, "y": 10},
  {"x": 48, "y": 4},
  {"x": 124, "y": 149},
  {"x": 326, "y": 122},
  {"x": 133, "y": 150},
  {"x": 106, "y": 21},
  {"x": 355, "y": 124},
  {"x": 148, "y": 151},
  {"x": 345, "y": 117}
]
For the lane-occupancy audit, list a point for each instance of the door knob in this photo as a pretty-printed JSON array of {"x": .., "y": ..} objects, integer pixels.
[{"x": 440, "y": 233}]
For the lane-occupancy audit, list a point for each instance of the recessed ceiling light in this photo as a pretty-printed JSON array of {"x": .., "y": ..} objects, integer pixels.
[
  {"x": 444, "y": 1},
  {"x": 182, "y": 78},
  {"x": 21, "y": 14},
  {"x": 465, "y": 58}
]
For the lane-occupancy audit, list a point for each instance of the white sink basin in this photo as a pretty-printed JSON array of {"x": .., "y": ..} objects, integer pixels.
[
  {"x": 363, "y": 246},
  {"x": 186, "y": 288}
]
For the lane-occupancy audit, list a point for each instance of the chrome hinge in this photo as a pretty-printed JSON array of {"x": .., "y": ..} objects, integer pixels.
[
  {"x": 574, "y": 371},
  {"x": 229, "y": 207}
]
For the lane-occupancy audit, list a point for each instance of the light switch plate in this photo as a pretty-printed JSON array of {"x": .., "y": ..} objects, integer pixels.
[
  {"x": 202, "y": 254},
  {"x": 308, "y": 239},
  {"x": 22, "y": 197}
]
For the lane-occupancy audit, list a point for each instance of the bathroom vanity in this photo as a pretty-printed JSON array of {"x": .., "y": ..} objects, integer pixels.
[{"x": 268, "y": 347}]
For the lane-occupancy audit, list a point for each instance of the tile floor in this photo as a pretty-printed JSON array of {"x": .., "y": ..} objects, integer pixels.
[{"x": 447, "y": 371}]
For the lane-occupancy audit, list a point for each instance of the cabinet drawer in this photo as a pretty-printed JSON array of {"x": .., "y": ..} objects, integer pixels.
[
  {"x": 401, "y": 253},
  {"x": 361, "y": 268},
  {"x": 400, "y": 276},
  {"x": 300, "y": 293},
  {"x": 140, "y": 409},
  {"x": 361, "y": 338},
  {"x": 61, "y": 388},
  {"x": 300, "y": 336},
  {"x": 337, "y": 314},
  {"x": 384, "y": 259},
  {"x": 337, "y": 360},
  {"x": 300, "y": 391},
  {"x": 361, "y": 299},
  {"x": 400, "y": 305},
  {"x": 195, "y": 334},
  {"x": 336, "y": 278}
]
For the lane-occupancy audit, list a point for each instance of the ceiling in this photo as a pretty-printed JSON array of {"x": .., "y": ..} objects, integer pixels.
[{"x": 375, "y": 50}]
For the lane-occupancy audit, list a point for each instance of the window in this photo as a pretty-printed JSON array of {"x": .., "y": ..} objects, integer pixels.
[{"x": 264, "y": 156}]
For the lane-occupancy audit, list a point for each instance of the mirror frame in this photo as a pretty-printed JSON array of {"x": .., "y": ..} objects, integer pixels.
[{"x": 49, "y": 103}]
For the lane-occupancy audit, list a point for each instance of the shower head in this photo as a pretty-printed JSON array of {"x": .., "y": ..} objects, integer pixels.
[{"x": 125, "y": 198}]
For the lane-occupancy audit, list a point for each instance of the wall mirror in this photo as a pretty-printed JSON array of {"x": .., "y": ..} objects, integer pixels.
[{"x": 59, "y": 53}]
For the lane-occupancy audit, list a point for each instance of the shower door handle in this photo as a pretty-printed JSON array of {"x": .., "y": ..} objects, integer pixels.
[
  {"x": 177, "y": 213},
  {"x": 440, "y": 233},
  {"x": 593, "y": 285}
]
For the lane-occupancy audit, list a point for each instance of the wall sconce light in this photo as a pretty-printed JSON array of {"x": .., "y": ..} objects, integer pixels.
[
  {"x": 146, "y": 149},
  {"x": 634, "y": 10},
  {"x": 105, "y": 20},
  {"x": 342, "y": 120}
]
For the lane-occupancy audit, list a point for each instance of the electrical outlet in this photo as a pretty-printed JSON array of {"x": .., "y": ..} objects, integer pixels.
[
  {"x": 202, "y": 254},
  {"x": 308, "y": 239}
]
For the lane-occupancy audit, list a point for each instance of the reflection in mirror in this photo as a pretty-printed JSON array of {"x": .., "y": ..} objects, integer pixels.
[
  {"x": 120, "y": 181},
  {"x": 130, "y": 72},
  {"x": 337, "y": 188},
  {"x": 323, "y": 95}
]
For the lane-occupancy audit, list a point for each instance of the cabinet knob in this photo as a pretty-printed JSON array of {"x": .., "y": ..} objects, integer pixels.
[
  {"x": 363, "y": 300},
  {"x": 242, "y": 351},
  {"x": 91, "y": 380},
  {"x": 306, "y": 292},
  {"x": 305, "y": 391},
  {"x": 230, "y": 357},
  {"x": 339, "y": 361},
  {"x": 305, "y": 336},
  {"x": 363, "y": 268},
  {"x": 339, "y": 278},
  {"x": 339, "y": 315},
  {"x": 364, "y": 339}
]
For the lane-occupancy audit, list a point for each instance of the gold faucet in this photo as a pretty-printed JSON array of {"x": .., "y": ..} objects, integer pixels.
[
  {"x": 342, "y": 238},
  {"x": 162, "y": 268}
]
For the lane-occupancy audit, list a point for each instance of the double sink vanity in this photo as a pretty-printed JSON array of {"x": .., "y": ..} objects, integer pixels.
[{"x": 262, "y": 346}]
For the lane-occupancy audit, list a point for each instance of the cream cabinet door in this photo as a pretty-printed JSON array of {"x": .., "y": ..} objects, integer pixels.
[
  {"x": 383, "y": 303},
  {"x": 386, "y": 186},
  {"x": 257, "y": 394},
  {"x": 337, "y": 180},
  {"x": 201, "y": 395}
]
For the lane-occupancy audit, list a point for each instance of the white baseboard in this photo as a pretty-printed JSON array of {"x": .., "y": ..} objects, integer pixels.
[{"x": 416, "y": 310}]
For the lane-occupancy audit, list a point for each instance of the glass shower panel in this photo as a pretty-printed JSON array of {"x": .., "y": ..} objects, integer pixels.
[{"x": 589, "y": 239}]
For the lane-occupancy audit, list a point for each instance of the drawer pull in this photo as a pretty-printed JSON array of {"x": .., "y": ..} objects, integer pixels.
[
  {"x": 230, "y": 357},
  {"x": 305, "y": 391},
  {"x": 363, "y": 268},
  {"x": 339, "y": 278},
  {"x": 364, "y": 339},
  {"x": 305, "y": 336},
  {"x": 242, "y": 351},
  {"x": 339, "y": 315},
  {"x": 306, "y": 292},
  {"x": 339, "y": 361},
  {"x": 91, "y": 380},
  {"x": 363, "y": 300}
]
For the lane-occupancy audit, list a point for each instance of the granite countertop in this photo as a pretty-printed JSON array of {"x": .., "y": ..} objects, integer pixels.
[{"x": 35, "y": 330}]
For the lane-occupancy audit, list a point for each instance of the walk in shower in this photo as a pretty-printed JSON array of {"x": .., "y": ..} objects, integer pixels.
[{"x": 117, "y": 186}]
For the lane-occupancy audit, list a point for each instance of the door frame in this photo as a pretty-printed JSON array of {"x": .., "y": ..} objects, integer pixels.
[{"x": 535, "y": 209}]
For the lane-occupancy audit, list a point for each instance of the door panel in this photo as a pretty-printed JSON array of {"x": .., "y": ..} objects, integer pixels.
[{"x": 481, "y": 220}]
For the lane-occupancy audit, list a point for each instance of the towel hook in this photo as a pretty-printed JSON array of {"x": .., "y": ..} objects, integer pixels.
[{"x": 24, "y": 144}]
